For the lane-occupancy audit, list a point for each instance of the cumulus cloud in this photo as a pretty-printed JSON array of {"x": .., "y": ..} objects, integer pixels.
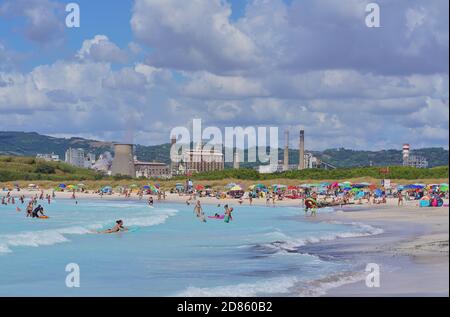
[
  {"x": 44, "y": 18},
  {"x": 310, "y": 64},
  {"x": 192, "y": 35},
  {"x": 101, "y": 49}
]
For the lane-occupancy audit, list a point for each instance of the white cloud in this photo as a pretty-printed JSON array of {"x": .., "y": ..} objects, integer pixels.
[
  {"x": 101, "y": 49},
  {"x": 192, "y": 35}
]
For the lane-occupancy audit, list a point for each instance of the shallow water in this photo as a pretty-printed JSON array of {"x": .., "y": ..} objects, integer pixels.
[{"x": 171, "y": 253}]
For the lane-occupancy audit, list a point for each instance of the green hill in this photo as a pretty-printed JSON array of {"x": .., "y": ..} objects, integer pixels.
[
  {"x": 28, "y": 168},
  {"x": 29, "y": 144}
]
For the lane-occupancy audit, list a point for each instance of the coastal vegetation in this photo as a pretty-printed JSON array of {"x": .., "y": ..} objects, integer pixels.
[
  {"x": 28, "y": 168},
  {"x": 23, "y": 170}
]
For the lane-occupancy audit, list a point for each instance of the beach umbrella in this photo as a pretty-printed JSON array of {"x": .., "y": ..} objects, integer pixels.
[
  {"x": 106, "y": 189},
  {"x": 235, "y": 188},
  {"x": 443, "y": 187},
  {"x": 62, "y": 185},
  {"x": 292, "y": 187},
  {"x": 133, "y": 186},
  {"x": 146, "y": 187},
  {"x": 230, "y": 185},
  {"x": 199, "y": 187},
  {"x": 325, "y": 184},
  {"x": 81, "y": 185}
]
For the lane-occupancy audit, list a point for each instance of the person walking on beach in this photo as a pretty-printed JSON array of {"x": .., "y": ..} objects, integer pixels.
[{"x": 400, "y": 198}]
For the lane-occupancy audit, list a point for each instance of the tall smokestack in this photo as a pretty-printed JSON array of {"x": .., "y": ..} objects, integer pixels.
[
  {"x": 301, "y": 160},
  {"x": 123, "y": 163},
  {"x": 286, "y": 151},
  {"x": 236, "y": 160},
  {"x": 405, "y": 153},
  {"x": 173, "y": 165}
]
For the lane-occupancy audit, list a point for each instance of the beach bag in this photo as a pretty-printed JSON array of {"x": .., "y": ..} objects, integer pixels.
[
  {"x": 424, "y": 203},
  {"x": 434, "y": 202}
]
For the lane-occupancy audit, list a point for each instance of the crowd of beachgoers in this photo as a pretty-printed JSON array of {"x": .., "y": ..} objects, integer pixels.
[{"x": 313, "y": 195}]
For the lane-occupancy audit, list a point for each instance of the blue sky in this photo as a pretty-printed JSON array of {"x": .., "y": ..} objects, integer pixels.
[{"x": 146, "y": 66}]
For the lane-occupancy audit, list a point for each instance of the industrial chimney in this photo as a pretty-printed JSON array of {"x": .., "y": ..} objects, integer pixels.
[
  {"x": 123, "y": 163},
  {"x": 301, "y": 160},
  {"x": 236, "y": 164},
  {"x": 405, "y": 153},
  {"x": 286, "y": 151}
]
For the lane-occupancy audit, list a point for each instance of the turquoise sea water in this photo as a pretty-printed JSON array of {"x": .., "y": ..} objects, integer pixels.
[{"x": 171, "y": 253}]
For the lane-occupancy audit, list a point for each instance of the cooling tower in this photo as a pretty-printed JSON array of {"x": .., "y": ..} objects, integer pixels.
[
  {"x": 123, "y": 163},
  {"x": 286, "y": 151},
  {"x": 301, "y": 160}
]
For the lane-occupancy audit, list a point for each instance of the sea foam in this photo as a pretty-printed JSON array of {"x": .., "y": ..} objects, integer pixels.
[{"x": 55, "y": 236}]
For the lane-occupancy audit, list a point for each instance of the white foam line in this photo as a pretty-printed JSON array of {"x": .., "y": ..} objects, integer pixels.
[
  {"x": 272, "y": 286},
  {"x": 322, "y": 287},
  {"x": 55, "y": 236}
]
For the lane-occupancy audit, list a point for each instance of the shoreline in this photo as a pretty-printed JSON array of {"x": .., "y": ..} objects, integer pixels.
[{"x": 412, "y": 252}]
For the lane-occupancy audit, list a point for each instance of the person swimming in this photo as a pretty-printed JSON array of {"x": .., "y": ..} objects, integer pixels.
[{"x": 117, "y": 228}]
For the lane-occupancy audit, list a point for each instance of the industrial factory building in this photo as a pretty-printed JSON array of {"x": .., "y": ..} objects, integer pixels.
[
  {"x": 413, "y": 160},
  {"x": 151, "y": 169},
  {"x": 126, "y": 164},
  {"x": 306, "y": 159},
  {"x": 197, "y": 160},
  {"x": 79, "y": 157}
]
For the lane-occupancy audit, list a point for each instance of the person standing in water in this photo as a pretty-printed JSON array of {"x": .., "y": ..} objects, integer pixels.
[
  {"x": 198, "y": 210},
  {"x": 227, "y": 216}
]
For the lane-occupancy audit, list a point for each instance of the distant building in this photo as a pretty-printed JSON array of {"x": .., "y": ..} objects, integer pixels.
[
  {"x": 48, "y": 157},
  {"x": 78, "y": 157},
  {"x": 198, "y": 160},
  {"x": 309, "y": 161},
  {"x": 413, "y": 160},
  {"x": 151, "y": 169}
]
